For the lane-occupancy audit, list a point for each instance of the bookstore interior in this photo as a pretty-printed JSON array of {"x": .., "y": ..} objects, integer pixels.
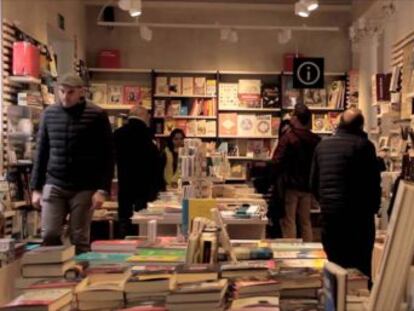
[{"x": 207, "y": 155}]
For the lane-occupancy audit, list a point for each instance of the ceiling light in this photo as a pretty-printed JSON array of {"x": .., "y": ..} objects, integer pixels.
[
  {"x": 301, "y": 9},
  {"x": 135, "y": 8},
  {"x": 145, "y": 33},
  {"x": 124, "y": 4},
  {"x": 311, "y": 5}
]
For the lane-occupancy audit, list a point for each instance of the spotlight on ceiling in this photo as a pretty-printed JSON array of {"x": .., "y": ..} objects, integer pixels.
[
  {"x": 301, "y": 9},
  {"x": 135, "y": 8},
  {"x": 311, "y": 5},
  {"x": 145, "y": 33}
]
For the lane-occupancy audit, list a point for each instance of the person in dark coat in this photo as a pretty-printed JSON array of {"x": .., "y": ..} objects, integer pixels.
[
  {"x": 346, "y": 181},
  {"x": 73, "y": 167},
  {"x": 292, "y": 161},
  {"x": 139, "y": 168},
  {"x": 276, "y": 204}
]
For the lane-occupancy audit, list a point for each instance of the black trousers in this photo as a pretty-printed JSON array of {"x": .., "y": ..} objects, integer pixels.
[
  {"x": 348, "y": 240},
  {"x": 127, "y": 205}
]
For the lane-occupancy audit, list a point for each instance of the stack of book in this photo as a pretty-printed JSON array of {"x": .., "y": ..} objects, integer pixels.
[
  {"x": 149, "y": 255},
  {"x": 253, "y": 287},
  {"x": 102, "y": 291},
  {"x": 262, "y": 303},
  {"x": 45, "y": 262},
  {"x": 51, "y": 299},
  {"x": 148, "y": 283},
  {"x": 116, "y": 246},
  {"x": 200, "y": 296}
]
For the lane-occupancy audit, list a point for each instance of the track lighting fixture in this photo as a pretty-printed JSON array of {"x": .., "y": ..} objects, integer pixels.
[
  {"x": 301, "y": 9},
  {"x": 311, "y": 5},
  {"x": 134, "y": 7}
]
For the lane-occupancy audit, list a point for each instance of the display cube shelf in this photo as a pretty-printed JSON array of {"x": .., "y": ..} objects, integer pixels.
[
  {"x": 183, "y": 96},
  {"x": 116, "y": 107},
  {"x": 120, "y": 70},
  {"x": 250, "y": 109},
  {"x": 248, "y": 137},
  {"x": 24, "y": 79}
]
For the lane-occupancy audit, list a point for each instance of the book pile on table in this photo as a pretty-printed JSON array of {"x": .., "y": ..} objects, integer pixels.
[
  {"x": 200, "y": 296},
  {"x": 148, "y": 283},
  {"x": 45, "y": 263}
]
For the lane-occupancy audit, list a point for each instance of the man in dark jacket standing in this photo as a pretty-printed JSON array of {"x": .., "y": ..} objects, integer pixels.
[
  {"x": 346, "y": 181},
  {"x": 292, "y": 160},
  {"x": 73, "y": 167},
  {"x": 139, "y": 168}
]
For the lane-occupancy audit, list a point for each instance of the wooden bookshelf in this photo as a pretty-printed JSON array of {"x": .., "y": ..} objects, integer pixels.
[
  {"x": 120, "y": 70},
  {"x": 247, "y": 137},
  {"x": 264, "y": 110},
  {"x": 189, "y": 117},
  {"x": 116, "y": 107},
  {"x": 24, "y": 79},
  {"x": 183, "y": 96}
]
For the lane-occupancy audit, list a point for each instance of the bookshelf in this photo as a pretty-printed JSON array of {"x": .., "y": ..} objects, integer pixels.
[{"x": 193, "y": 101}]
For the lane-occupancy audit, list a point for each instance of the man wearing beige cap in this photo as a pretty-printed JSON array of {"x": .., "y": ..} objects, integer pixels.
[
  {"x": 346, "y": 180},
  {"x": 73, "y": 166}
]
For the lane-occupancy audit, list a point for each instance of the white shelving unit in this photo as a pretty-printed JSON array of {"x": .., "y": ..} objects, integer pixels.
[
  {"x": 183, "y": 96},
  {"x": 24, "y": 79}
]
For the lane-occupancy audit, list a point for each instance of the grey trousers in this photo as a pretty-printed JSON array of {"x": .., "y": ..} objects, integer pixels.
[{"x": 57, "y": 204}]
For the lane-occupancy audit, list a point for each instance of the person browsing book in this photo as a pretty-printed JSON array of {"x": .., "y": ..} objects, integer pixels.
[
  {"x": 170, "y": 157},
  {"x": 345, "y": 179},
  {"x": 73, "y": 166},
  {"x": 292, "y": 160},
  {"x": 139, "y": 168}
]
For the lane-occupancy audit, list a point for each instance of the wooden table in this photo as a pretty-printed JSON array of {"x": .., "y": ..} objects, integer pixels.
[{"x": 8, "y": 274}]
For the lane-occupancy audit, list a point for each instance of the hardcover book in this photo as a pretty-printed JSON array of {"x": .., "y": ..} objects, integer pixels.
[
  {"x": 161, "y": 86},
  {"x": 132, "y": 95},
  {"x": 188, "y": 86},
  {"x": 228, "y": 124},
  {"x": 200, "y": 86},
  {"x": 98, "y": 93},
  {"x": 175, "y": 86},
  {"x": 115, "y": 94},
  {"x": 246, "y": 125},
  {"x": 314, "y": 97},
  {"x": 228, "y": 95},
  {"x": 263, "y": 125}
]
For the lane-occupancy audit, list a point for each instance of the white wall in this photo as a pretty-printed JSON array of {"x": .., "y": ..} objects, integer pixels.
[
  {"x": 202, "y": 49},
  {"x": 35, "y": 17},
  {"x": 374, "y": 53}
]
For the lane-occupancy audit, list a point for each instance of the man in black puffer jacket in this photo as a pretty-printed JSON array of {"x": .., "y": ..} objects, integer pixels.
[
  {"x": 346, "y": 180},
  {"x": 73, "y": 168}
]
